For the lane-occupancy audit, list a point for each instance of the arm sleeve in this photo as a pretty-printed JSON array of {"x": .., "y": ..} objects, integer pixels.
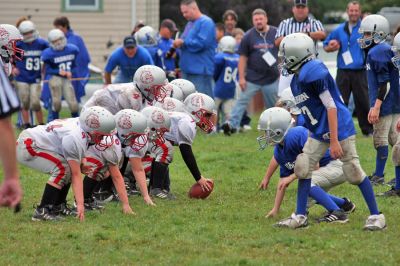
[
  {"x": 203, "y": 37},
  {"x": 112, "y": 62},
  {"x": 190, "y": 160},
  {"x": 72, "y": 152},
  {"x": 316, "y": 25},
  {"x": 281, "y": 29},
  {"x": 218, "y": 67},
  {"x": 327, "y": 99},
  {"x": 330, "y": 37}
]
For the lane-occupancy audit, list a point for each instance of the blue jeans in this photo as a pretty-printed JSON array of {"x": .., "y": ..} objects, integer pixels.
[
  {"x": 203, "y": 83},
  {"x": 269, "y": 92}
]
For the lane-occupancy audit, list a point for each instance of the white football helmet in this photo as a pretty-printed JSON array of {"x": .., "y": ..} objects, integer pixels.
[
  {"x": 150, "y": 80},
  {"x": 28, "y": 31},
  {"x": 286, "y": 101},
  {"x": 132, "y": 128},
  {"x": 227, "y": 44},
  {"x": 396, "y": 50},
  {"x": 374, "y": 29},
  {"x": 98, "y": 123},
  {"x": 294, "y": 50},
  {"x": 186, "y": 86},
  {"x": 9, "y": 35},
  {"x": 158, "y": 122},
  {"x": 171, "y": 105},
  {"x": 275, "y": 122},
  {"x": 174, "y": 91},
  {"x": 146, "y": 36},
  {"x": 201, "y": 108},
  {"x": 129, "y": 97},
  {"x": 57, "y": 39}
]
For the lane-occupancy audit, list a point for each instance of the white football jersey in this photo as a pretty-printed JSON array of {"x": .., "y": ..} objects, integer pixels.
[
  {"x": 183, "y": 129},
  {"x": 131, "y": 153},
  {"x": 112, "y": 155},
  {"x": 116, "y": 97},
  {"x": 62, "y": 136}
]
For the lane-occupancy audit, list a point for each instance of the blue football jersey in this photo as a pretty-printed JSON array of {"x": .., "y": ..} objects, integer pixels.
[
  {"x": 381, "y": 70},
  {"x": 29, "y": 67},
  {"x": 59, "y": 60},
  {"x": 314, "y": 79},
  {"x": 225, "y": 75},
  {"x": 286, "y": 153}
]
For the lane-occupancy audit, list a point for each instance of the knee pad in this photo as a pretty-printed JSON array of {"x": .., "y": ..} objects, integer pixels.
[
  {"x": 74, "y": 107},
  {"x": 56, "y": 105},
  {"x": 302, "y": 167},
  {"x": 353, "y": 172},
  {"x": 396, "y": 155},
  {"x": 35, "y": 106}
]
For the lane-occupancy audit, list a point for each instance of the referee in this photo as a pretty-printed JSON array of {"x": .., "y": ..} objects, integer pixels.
[
  {"x": 10, "y": 189},
  {"x": 300, "y": 22}
]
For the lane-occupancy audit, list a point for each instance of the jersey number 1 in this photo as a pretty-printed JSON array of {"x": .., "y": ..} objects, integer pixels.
[{"x": 308, "y": 113}]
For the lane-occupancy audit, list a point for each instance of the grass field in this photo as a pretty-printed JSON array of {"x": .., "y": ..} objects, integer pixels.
[{"x": 228, "y": 228}]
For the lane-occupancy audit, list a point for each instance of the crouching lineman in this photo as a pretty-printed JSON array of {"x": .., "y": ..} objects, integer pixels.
[
  {"x": 58, "y": 148},
  {"x": 131, "y": 141},
  {"x": 318, "y": 97},
  {"x": 198, "y": 110},
  {"x": 276, "y": 124}
]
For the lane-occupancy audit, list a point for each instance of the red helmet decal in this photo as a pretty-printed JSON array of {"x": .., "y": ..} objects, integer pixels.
[
  {"x": 169, "y": 105},
  {"x": 146, "y": 77},
  {"x": 197, "y": 101},
  {"x": 4, "y": 35},
  {"x": 135, "y": 95},
  {"x": 93, "y": 121},
  {"x": 124, "y": 122},
  {"x": 157, "y": 117}
]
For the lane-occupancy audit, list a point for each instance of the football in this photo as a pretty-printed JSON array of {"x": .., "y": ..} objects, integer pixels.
[{"x": 196, "y": 192}]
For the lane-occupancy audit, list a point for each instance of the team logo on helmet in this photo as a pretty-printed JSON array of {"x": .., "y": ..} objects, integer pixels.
[
  {"x": 157, "y": 117},
  {"x": 146, "y": 77},
  {"x": 92, "y": 121},
  {"x": 4, "y": 35},
  {"x": 169, "y": 105},
  {"x": 197, "y": 101},
  {"x": 135, "y": 95},
  {"x": 124, "y": 122}
]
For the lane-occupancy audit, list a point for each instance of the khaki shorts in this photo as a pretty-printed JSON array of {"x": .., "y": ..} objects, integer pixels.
[
  {"x": 385, "y": 132},
  {"x": 62, "y": 87},
  {"x": 329, "y": 175},
  {"x": 226, "y": 107},
  {"x": 29, "y": 95}
]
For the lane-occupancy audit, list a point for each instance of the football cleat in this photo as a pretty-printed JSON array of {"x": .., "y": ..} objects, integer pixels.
[
  {"x": 45, "y": 214},
  {"x": 92, "y": 204},
  {"x": 338, "y": 216},
  {"x": 64, "y": 209},
  {"x": 392, "y": 182},
  {"x": 376, "y": 180},
  {"x": 375, "y": 222},
  {"x": 348, "y": 206},
  {"x": 227, "y": 129},
  {"x": 294, "y": 221},
  {"x": 161, "y": 194},
  {"x": 390, "y": 193}
]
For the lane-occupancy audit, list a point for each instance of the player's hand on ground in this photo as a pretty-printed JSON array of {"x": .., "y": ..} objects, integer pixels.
[
  {"x": 264, "y": 184},
  {"x": 242, "y": 84},
  {"x": 148, "y": 201},
  {"x": 336, "y": 151},
  {"x": 205, "y": 186},
  {"x": 272, "y": 213},
  {"x": 126, "y": 209},
  {"x": 81, "y": 212},
  {"x": 373, "y": 115},
  {"x": 10, "y": 193}
]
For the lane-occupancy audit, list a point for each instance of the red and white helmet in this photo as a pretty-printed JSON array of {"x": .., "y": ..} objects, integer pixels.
[
  {"x": 9, "y": 35},
  {"x": 28, "y": 31},
  {"x": 201, "y": 108},
  {"x": 171, "y": 105},
  {"x": 130, "y": 97},
  {"x": 174, "y": 91},
  {"x": 150, "y": 80},
  {"x": 185, "y": 85},
  {"x": 57, "y": 39},
  {"x": 158, "y": 122},
  {"x": 132, "y": 128},
  {"x": 98, "y": 123}
]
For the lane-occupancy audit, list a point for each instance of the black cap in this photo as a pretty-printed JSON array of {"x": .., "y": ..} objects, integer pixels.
[
  {"x": 129, "y": 42},
  {"x": 170, "y": 24},
  {"x": 300, "y": 2}
]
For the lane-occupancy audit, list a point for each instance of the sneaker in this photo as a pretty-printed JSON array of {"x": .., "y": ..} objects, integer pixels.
[
  {"x": 375, "y": 222},
  {"x": 391, "y": 183},
  {"x": 295, "y": 221},
  {"x": 159, "y": 193},
  {"x": 377, "y": 180},
  {"x": 390, "y": 193},
  {"x": 103, "y": 197},
  {"x": 92, "y": 205},
  {"x": 134, "y": 192},
  {"x": 226, "y": 128},
  {"x": 45, "y": 214},
  {"x": 246, "y": 128},
  {"x": 338, "y": 216},
  {"x": 170, "y": 195},
  {"x": 64, "y": 209},
  {"x": 348, "y": 206}
]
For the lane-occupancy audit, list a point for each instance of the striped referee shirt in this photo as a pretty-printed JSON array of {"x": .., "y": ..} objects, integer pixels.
[
  {"x": 291, "y": 25},
  {"x": 8, "y": 98}
]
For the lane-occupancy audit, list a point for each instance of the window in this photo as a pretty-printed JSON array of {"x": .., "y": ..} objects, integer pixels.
[{"x": 83, "y": 5}]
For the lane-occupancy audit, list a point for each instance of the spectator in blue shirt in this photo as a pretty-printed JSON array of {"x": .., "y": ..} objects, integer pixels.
[
  {"x": 167, "y": 59},
  {"x": 128, "y": 59},
  {"x": 197, "y": 45},
  {"x": 351, "y": 75},
  {"x": 82, "y": 60}
]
